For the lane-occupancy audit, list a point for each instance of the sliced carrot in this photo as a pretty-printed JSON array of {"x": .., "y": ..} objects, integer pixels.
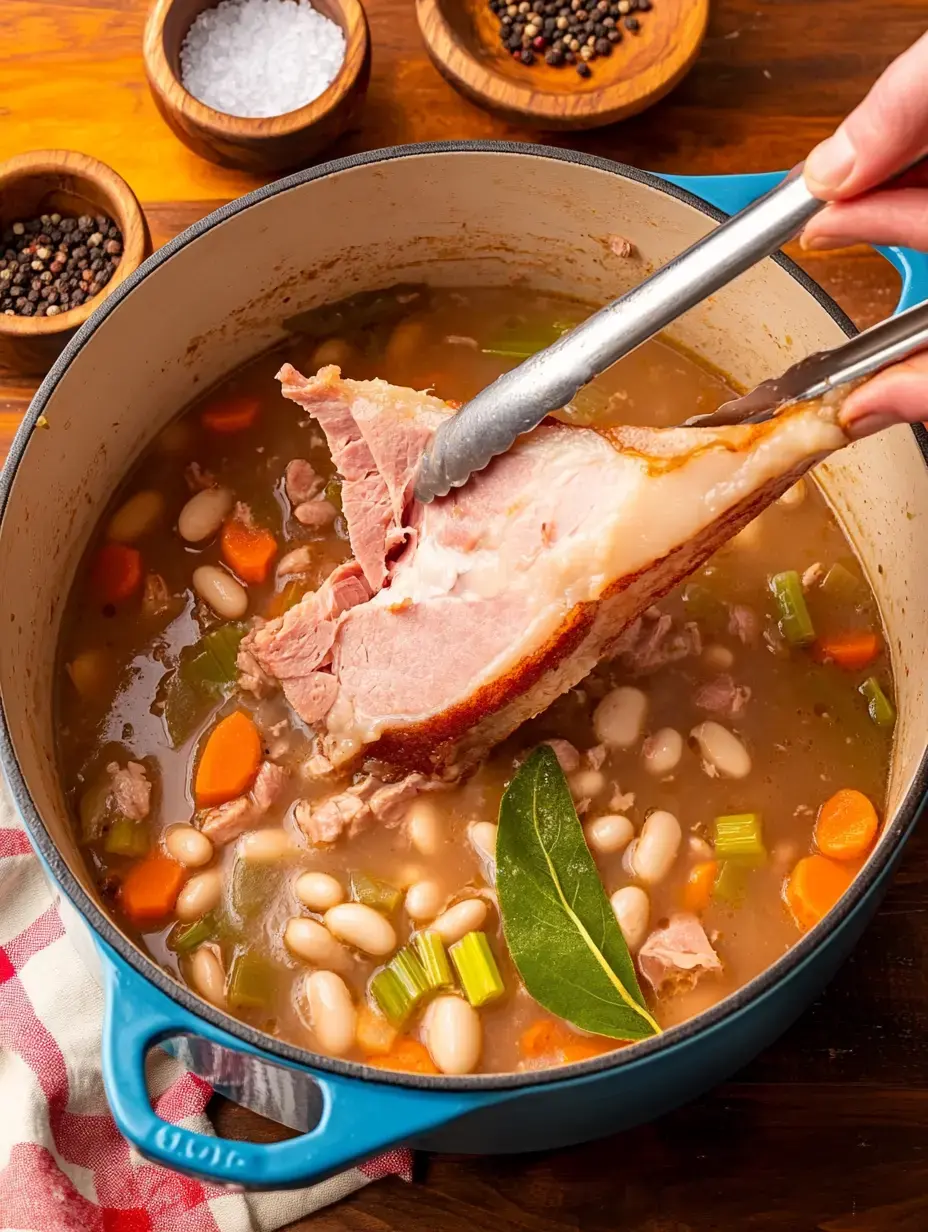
[
  {"x": 541, "y": 1039},
  {"x": 373, "y": 1033},
  {"x": 846, "y": 825},
  {"x": 813, "y": 888},
  {"x": 227, "y": 415},
  {"x": 116, "y": 573},
  {"x": 248, "y": 550},
  {"x": 852, "y": 651},
  {"x": 149, "y": 890},
  {"x": 229, "y": 762},
  {"x": 697, "y": 893},
  {"x": 583, "y": 1049},
  {"x": 552, "y": 1043},
  {"x": 407, "y": 1055}
]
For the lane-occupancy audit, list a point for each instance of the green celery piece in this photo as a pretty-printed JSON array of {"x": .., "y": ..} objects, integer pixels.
[
  {"x": 739, "y": 836},
  {"x": 373, "y": 892},
  {"x": 477, "y": 970},
  {"x": 204, "y": 674},
  {"x": 558, "y": 923},
  {"x": 184, "y": 938},
  {"x": 253, "y": 886},
  {"x": 840, "y": 585},
  {"x": 251, "y": 983},
  {"x": 126, "y": 837},
  {"x": 434, "y": 959},
  {"x": 521, "y": 341},
  {"x": 393, "y": 997},
  {"x": 730, "y": 883},
  {"x": 411, "y": 972},
  {"x": 94, "y": 809},
  {"x": 795, "y": 622},
  {"x": 879, "y": 707}
]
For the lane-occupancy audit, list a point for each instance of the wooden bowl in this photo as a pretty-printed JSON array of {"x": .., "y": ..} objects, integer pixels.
[
  {"x": 462, "y": 39},
  {"x": 263, "y": 146},
  {"x": 64, "y": 182}
]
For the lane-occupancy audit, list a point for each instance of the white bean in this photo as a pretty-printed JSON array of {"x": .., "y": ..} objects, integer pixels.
[
  {"x": 361, "y": 926},
  {"x": 207, "y": 975},
  {"x": 619, "y": 717},
  {"x": 319, "y": 891},
  {"x": 91, "y": 672},
  {"x": 462, "y": 918},
  {"x": 424, "y": 900},
  {"x": 632, "y": 909},
  {"x": 332, "y": 1014},
  {"x": 424, "y": 827},
  {"x": 227, "y": 597},
  {"x": 586, "y": 784},
  {"x": 718, "y": 658},
  {"x": 188, "y": 846},
  {"x": 662, "y": 752},
  {"x": 139, "y": 516},
  {"x": 312, "y": 941},
  {"x": 656, "y": 847},
  {"x": 453, "y": 1035},
  {"x": 609, "y": 833},
  {"x": 199, "y": 895},
  {"x": 483, "y": 838},
  {"x": 722, "y": 751},
  {"x": 793, "y": 497},
  {"x": 204, "y": 513},
  {"x": 266, "y": 846}
]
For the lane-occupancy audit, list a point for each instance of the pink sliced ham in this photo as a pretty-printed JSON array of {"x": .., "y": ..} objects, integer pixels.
[
  {"x": 459, "y": 620},
  {"x": 675, "y": 956}
]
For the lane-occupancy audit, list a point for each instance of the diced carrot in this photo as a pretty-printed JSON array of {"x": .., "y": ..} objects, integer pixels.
[
  {"x": 227, "y": 415},
  {"x": 407, "y": 1056},
  {"x": 116, "y": 573},
  {"x": 813, "y": 888},
  {"x": 229, "y": 762},
  {"x": 697, "y": 893},
  {"x": 846, "y": 825},
  {"x": 373, "y": 1033},
  {"x": 149, "y": 890},
  {"x": 248, "y": 550},
  {"x": 852, "y": 651},
  {"x": 553, "y": 1043}
]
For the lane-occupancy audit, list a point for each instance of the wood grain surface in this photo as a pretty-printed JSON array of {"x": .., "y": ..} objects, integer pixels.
[{"x": 828, "y": 1130}]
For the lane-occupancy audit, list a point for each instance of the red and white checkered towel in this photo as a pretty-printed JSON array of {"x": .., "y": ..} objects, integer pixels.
[{"x": 64, "y": 1167}]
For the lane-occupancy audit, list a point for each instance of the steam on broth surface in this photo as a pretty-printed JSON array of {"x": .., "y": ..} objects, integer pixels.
[{"x": 764, "y": 700}]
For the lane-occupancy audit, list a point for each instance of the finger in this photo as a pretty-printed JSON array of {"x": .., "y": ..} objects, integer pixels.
[
  {"x": 895, "y": 216},
  {"x": 882, "y": 136},
  {"x": 898, "y": 395}
]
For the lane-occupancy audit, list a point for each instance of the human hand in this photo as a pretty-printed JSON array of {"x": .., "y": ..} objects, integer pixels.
[{"x": 883, "y": 136}]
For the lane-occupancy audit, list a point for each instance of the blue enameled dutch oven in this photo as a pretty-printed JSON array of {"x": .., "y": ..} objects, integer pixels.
[{"x": 452, "y": 213}]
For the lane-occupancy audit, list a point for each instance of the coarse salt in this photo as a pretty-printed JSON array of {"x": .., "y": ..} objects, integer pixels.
[{"x": 259, "y": 58}]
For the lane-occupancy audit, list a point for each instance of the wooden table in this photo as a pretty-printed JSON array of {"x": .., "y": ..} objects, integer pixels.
[{"x": 828, "y": 1130}]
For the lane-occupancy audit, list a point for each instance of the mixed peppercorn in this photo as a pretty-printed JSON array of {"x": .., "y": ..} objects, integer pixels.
[
  {"x": 573, "y": 33},
  {"x": 53, "y": 263}
]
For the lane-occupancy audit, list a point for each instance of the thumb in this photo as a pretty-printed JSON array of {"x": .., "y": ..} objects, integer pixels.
[{"x": 898, "y": 395}]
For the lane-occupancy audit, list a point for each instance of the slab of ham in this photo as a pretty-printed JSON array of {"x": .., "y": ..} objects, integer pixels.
[{"x": 458, "y": 620}]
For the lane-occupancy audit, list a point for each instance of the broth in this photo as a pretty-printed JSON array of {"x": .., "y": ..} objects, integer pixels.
[{"x": 803, "y": 720}]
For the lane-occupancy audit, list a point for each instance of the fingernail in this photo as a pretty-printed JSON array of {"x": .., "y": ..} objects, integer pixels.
[
  {"x": 818, "y": 243},
  {"x": 866, "y": 425},
  {"x": 831, "y": 162}
]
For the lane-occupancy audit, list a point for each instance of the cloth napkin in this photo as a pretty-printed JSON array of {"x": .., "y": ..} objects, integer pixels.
[{"x": 64, "y": 1166}]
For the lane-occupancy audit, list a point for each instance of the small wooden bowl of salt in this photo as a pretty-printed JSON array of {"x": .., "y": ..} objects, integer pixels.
[{"x": 261, "y": 85}]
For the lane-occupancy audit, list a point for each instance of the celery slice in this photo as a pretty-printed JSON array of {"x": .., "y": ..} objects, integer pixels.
[
  {"x": 253, "y": 886},
  {"x": 373, "y": 892},
  {"x": 880, "y": 708},
  {"x": 184, "y": 938},
  {"x": 399, "y": 987},
  {"x": 251, "y": 983},
  {"x": 795, "y": 622},
  {"x": 730, "y": 883},
  {"x": 204, "y": 673},
  {"x": 740, "y": 836},
  {"x": 477, "y": 970},
  {"x": 126, "y": 837},
  {"x": 434, "y": 959}
]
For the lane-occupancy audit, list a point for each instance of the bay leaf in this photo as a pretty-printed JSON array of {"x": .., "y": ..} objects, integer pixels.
[{"x": 558, "y": 923}]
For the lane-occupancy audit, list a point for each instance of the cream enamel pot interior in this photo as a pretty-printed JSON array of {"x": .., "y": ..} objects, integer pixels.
[{"x": 204, "y": 304}]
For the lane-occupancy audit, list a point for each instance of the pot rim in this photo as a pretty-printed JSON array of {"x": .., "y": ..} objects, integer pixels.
[{"x": 278, "y": 1050}]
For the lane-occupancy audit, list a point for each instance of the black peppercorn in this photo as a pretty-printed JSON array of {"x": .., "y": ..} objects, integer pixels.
[
  {"x": 632, "y": 23},
  {"x": 584, "y": 69}
]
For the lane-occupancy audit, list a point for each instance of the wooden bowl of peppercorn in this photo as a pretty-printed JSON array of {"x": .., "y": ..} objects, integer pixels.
[
  {"x": 563, "y": 64},
  {"x": 71, "y": 230}
]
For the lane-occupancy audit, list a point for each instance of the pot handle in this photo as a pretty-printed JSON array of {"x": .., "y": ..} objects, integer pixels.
[
  {"x": 732, "y": 193},
  {"x": 358, "y": 1118}
]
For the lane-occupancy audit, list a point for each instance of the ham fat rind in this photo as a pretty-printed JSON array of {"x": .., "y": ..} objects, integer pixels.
[{"x": 461, "y": 619}]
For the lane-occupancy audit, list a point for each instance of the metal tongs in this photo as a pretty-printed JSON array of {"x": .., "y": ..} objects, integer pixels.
[{"x": 519, "y": 400}]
